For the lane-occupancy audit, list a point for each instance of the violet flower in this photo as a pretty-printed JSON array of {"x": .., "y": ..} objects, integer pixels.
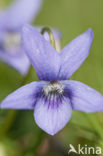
[
  {"x": 54, "y": 97},
  {"x": 11, "y": 21}
]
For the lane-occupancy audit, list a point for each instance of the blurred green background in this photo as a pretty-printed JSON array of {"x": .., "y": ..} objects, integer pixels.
[{"x": 24, "y": 138}]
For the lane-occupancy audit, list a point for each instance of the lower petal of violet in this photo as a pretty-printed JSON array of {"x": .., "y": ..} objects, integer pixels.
[{"x": 52, "y": 115}]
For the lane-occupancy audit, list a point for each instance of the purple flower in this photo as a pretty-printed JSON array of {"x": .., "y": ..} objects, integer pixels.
[
  {"x": 54, "y": 97},
  {"x": 11, "y": 22}
]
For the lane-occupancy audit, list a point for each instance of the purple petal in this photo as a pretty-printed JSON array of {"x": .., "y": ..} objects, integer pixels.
[
  {"x": 74, "y": 54},
  {"x": 18, "y": 60},
  {"x": 52, "y": 115},
  {"x": 24, "y": 97},
  {"x": 42, "y": 55},
  {"x": 20, "y": 12},
  {"x": 84, "y": 98}
]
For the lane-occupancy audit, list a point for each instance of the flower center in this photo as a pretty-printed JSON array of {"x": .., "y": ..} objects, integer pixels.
[
  {"x": 12, "y": 42},
  {"x": 54, "y": 87}
]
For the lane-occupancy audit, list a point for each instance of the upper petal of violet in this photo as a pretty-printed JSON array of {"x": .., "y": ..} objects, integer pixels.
[
  {"x": 42, "y": 55},
  {"x": 74, "y": 54}
]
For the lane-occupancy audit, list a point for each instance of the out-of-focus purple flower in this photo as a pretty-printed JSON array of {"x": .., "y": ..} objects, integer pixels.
[
  {"x": 11, "y": 22},
  {"x": 54, "y": 97}
]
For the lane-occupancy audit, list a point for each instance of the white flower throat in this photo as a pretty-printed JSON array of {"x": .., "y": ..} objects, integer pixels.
[
  {"x": 53, "y": 87},
  {"x": 12, "y": 42}
]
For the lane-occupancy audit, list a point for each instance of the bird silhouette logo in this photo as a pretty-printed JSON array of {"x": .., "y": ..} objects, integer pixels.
[{"x": 72, "y": 149}]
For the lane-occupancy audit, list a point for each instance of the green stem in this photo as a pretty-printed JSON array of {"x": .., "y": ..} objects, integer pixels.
[
  {"x": 12, "y": 114},
  {"x": 52, "y": 40}
]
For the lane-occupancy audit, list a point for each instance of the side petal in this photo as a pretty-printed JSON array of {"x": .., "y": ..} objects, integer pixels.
[
  {"x": 22, "y": 11},
  {"x": 84, "y": 98},
  {"x": 18, "y": 60},
  {"x": 74, "y": 54},
  {"x": 23, "y": 98},
  {"x": 42, "y": 55},
  {"x": 52, "y": 115}
]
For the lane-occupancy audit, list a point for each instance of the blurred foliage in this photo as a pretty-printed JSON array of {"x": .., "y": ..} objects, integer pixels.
[{"x": 24, "y": 138}]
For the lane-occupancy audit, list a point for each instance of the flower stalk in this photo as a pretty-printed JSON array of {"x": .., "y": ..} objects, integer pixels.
[{"x": 52, "y": 40}]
